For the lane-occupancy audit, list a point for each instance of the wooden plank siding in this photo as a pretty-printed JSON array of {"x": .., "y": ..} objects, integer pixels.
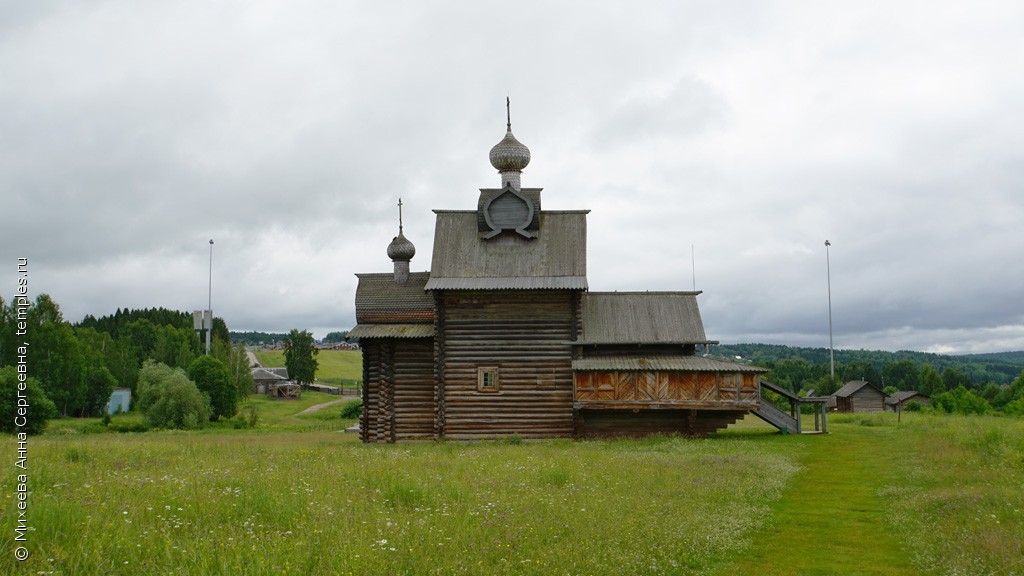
[
  {"x": 526, "y": 335},
  {"x": 666, "y": 389}
]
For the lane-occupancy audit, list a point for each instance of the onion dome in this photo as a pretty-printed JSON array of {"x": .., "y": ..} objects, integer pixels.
[
  {"x": 510, "y": 154},
  {"x": 401, "y": 249}
]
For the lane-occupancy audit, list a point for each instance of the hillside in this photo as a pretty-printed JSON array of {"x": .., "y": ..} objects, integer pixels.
[{"x": 1000, "y": 368}]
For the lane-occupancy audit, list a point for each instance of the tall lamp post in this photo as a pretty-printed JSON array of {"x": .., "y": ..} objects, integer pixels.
[
  {"x": 831, "y": 350},
  {"x": 209, "y": 301}
]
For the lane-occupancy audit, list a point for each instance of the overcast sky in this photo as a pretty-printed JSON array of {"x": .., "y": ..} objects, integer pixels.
[{"x": 744, "y": 134}]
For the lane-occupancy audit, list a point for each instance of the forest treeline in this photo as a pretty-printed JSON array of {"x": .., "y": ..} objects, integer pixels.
[
  {"x": 78, "y": 365},
  {"x": 978, "y": 369}
]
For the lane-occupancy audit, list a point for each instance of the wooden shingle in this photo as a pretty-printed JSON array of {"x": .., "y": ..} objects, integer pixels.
[
  {"x": 642, "y": 318},
  {"x": 555, "y": 259}
]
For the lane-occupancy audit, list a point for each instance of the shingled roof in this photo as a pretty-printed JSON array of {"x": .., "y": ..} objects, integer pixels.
[
  {"x": 263, "y": 373},
  {"x": 555, "y": 259},
  {"x": 902, "y": 396},
  {"x": 642, "y": 318},
  {"x": 853, "y": 387},
  {"x": 380, "y": 300},
  {"x": 665, "y": 363}
]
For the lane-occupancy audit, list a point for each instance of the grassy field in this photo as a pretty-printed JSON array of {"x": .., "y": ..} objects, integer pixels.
[
  {"x": 935, "y": 495},
  {"x": 271, "y": 416},
  {"x": 335, "y": 367}
]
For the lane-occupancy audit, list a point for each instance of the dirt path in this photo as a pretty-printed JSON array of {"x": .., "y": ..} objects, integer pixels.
[
  {"x": 319, "y": 407},
  {"x": 832, "y": 518}
]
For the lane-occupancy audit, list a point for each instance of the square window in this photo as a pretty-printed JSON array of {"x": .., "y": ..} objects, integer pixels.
[{"x": 487, "y": 379}]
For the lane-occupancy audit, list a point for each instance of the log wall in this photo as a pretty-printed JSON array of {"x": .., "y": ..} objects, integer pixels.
[
  {"x": 526, "y": 335},
  {"x": 867, "y": 399},
  {"x": 627, "y": 423},
  {"x": 398, "y": 395}
]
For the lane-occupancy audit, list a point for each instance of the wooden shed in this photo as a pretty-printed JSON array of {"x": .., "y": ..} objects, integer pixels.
[
  {"x": 264, "y": 379},
  {"x": 899, "y": 400},
  {"x": 502, "y": 336},
  {"x": 859, "y": 396}
]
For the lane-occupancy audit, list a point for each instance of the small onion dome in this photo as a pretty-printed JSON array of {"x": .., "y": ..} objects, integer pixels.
[
  {"x": 401, "y": 249},
  {"x": 509, "y": 154}
]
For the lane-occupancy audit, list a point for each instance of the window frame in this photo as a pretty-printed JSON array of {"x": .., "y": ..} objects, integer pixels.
[{"x": 482, "y": 373}]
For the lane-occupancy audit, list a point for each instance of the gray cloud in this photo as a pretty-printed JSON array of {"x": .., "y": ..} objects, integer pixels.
[{"x": 133, "y": 132}]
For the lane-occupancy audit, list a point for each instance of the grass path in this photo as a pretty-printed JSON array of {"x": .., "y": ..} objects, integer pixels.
[
  {"x": 832, "y": 518},
  {"x": 319, "y": 407}
]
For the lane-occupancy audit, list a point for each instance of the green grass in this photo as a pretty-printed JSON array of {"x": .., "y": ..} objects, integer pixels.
[
  {"x": 314, "y": 503},
  {"x": 335, "y": 367},
  {"x": 934, "y": 495},
  {"x": 833, "y": 518},
  {"x": 272, "y": 416},
  {"x": 930, "y": 495}
]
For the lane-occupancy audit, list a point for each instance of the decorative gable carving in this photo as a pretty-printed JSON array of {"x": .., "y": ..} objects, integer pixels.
[{"x": 510, "y": 209}]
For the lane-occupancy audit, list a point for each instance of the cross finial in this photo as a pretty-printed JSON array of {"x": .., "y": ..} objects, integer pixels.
[
  {"x": 399, "y": 215},
  {"x": 508, "y": 111}
]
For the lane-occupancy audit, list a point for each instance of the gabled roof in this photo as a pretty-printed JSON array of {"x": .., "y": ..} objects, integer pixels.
[
  {"x": 379, "y": 300},
  {"x": 901, "y": 396},
  {"x": 641, "y": 318},
  {"x": 853, "y": 387},
  {"x": 555, "y": 259},
  {"x": 263, "y": 373},
  {"x": 662, "y": 362}
]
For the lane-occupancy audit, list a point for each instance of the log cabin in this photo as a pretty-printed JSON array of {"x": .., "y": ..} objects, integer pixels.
[
  {"x": 898, "y": 401},
  {"x": 858, "y": 396},
  {"x": 503, "y": 337}
]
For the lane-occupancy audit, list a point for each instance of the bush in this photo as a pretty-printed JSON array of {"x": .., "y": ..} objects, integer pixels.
[
  {"x": 38, "y": 412},
  {"x": 129, "y": 426},
  {"x": 246, "y": 418},
  {"x": 1015, "y": 408},
  {"x": 513, "y": 440},
  {"x": 352, "y": 409},
  {"x": 213, "y": 378},
  {"x": 913, "y": 406},
  {"x": 960, "y": 401},
  {"x": 168, "y": 399}
]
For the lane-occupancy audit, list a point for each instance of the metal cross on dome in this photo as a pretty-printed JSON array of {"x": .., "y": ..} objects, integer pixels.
[{"x": 399, "y": 215}]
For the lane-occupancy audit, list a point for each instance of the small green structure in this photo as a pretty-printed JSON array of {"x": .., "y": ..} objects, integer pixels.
[{"x": 120, "y": 401}]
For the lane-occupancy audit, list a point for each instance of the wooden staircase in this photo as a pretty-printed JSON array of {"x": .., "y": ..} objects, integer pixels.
[
  {"x": 772, "y": 415},
  {"x": 790, "y": 423}
]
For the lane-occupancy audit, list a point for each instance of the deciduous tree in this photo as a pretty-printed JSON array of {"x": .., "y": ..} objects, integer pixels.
[
  {"x": 300, "y": 356},
  {"x": 39, "y": 411},
  {"x": 237, "y": 361},
  {"x": 212, "y": 378},
  {"x": 168, "y": 399}
]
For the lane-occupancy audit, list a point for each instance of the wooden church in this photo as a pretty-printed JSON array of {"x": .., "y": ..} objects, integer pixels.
[{"x": 503, "y": 336}]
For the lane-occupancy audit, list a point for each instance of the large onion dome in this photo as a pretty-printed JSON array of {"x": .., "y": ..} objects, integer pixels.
[{"x": 509, "y": 154}]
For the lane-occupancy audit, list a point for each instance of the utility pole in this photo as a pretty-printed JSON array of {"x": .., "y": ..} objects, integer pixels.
[
  {"x": 209, "y": 303},
  {"x": 831, "y": 350}
]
